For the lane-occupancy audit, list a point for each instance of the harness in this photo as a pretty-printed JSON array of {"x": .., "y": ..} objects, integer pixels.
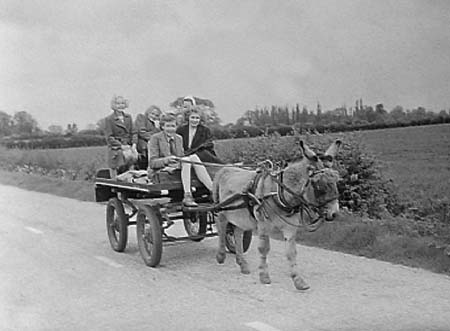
[
  {"x": 303, "y": 207},
  {"x": 250, "y": 200}
]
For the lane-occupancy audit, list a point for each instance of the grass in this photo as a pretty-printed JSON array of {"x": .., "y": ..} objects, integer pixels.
[
  {"x": 80, "y": 190},
  {"x": 418, "y": 161}
]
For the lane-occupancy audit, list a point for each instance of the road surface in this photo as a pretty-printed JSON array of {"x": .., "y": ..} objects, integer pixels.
[{"x": 58, "y": 272}]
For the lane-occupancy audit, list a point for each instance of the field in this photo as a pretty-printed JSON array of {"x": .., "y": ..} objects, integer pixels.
[{"x": 416, "y": 158}]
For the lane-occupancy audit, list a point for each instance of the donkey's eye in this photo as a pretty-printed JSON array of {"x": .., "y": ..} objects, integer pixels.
[{"x": 314, "y": 158}]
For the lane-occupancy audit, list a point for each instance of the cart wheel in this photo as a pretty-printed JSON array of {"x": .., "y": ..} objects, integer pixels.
[
  {"x": 195, "y": 225},
  {"x": 230, "y": 242},
  {"x": 116, "y": 225},
  {"x": 149, "y": 236}
]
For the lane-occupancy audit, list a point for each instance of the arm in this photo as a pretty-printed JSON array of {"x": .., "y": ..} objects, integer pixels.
[
  {"x": 133, "y": 134},
  {"x": 155, "y": 158},
  {"x": 209, "y": 145},
  {"x": 110, "y": 139},
  {"x": 141, "y": 129}
]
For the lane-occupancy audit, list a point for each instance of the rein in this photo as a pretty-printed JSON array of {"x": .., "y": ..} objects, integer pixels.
[
  {"x": 220, "y": 165},
  {"x": 279, "y": 198}
]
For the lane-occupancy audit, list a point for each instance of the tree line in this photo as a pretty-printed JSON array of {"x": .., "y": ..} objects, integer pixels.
[
  {"x": 21, "y": 130},
  {"x": 285, "y": 119}
]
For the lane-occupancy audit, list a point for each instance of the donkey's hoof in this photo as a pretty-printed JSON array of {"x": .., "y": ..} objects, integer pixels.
[
  {"x": 300, "y": 284},
  {"x": 220, "y": 258},
  {"x": 245, "y": 269},
  {"x": 264, "y": 278}
]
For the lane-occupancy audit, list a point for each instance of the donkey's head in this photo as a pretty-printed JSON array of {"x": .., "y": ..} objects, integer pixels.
[
  {"x": 320, "y": 160},
  {"x": 321, "y": 188}
]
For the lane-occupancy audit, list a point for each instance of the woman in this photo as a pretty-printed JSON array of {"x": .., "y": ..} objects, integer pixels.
[
  {"x": 165, "y": 149},
  {"x": 146, "y": 125},
  {"x": 197, "y": 138},
  {"x": 121, "y": 137}
]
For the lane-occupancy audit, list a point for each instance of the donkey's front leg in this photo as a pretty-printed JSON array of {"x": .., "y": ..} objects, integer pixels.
[
  {"x": 263, "y": 248},
  {"x": 221, "y": 224},
  {"x": 240, "y": 259},
  {"x": 291, "y": 254}
]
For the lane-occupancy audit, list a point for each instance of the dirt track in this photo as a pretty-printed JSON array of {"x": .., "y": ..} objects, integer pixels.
[{"x": 58, "y": 271}]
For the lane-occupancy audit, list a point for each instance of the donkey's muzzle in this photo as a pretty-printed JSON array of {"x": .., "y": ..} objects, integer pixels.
[{"x": 330, "y": 217}]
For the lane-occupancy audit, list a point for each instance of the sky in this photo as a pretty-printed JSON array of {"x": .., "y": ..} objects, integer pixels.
[{"x": 62, "y": 61}]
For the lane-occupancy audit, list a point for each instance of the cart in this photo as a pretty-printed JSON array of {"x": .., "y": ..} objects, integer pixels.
[{"x": 153, "y": 208}]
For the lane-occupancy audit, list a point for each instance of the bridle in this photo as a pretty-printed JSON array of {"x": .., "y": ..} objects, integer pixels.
[{"x": 302, "y": 206}]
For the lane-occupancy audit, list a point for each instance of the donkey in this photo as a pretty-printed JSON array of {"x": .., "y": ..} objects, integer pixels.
[{"x": 295, "y": 198}]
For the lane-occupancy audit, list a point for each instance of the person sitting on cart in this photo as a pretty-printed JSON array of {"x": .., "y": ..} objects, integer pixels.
[
  {"x": 121, "y": 137},
  {"x": 165, "y": 149},
  {"x": 197, "y": 138},
  {"x": 146, "y": 125}
]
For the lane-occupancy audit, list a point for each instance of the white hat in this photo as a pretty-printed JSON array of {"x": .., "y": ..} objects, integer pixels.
[{"x": 191, "y": 99}]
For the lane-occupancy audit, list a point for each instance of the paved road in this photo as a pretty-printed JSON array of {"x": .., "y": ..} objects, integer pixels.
[{"x": 57, "y": 272}]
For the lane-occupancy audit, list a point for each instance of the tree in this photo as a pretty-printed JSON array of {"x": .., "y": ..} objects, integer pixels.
[
  {"x": 24, "y": 123},
  {"x": 6, "y": 124},
  {"x": 178, "y": 103},
  {"x": 101, "y": 125},
  {"x": 398, "y": 114},
  {"x": 379, "y": 109},
  {"x": 71, "y": 128},
  {"x": 206, "y": 106},
  {"x": 55, "y": 129}
]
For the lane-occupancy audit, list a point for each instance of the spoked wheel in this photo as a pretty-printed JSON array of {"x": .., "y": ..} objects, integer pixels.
[
  {"x": 230, "y": 242},
  {"x": 195, "y": 225},
  {"x": 149, "y": 236},
  {"x": 116, "y": 225}
]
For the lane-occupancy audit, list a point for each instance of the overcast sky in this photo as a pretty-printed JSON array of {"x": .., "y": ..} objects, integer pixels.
[{"x": 62, "y": 61}]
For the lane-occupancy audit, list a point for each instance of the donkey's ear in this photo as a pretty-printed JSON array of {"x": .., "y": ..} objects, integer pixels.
[
  {"x": 334, "y": 148},
  {"x": 310, "y": 155}
]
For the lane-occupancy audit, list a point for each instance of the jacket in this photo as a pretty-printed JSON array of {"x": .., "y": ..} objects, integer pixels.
[
  {"x": 117, "y": 134},
  {"x": 202, "y": 135},
  {"x": 159, "y": 148},
  {"x": 145, "y": 128}
]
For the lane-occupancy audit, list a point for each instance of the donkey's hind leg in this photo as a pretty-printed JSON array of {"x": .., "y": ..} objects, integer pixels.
[
  {"x": 291, "y": 254},
  {"x": 240, "y": 259},
  {"x": 221, "y": 223}
]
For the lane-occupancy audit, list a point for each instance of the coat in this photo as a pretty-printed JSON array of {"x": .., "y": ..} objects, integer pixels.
[
  {"x": 159, "y": 148},
  {"x": 118, "y": 133},
  {"x": 202, "y": 136},
  {"x": 145, "y": 128}
]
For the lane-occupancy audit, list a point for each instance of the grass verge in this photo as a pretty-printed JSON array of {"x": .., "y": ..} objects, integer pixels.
[
  {"x": 80, "y": 190},
  {"x": 396, "y": 240}
]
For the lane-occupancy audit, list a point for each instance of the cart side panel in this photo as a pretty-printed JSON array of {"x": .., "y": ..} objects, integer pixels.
[{"x": 103, "y": 193}]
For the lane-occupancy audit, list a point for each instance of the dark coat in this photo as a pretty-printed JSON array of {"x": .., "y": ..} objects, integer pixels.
[
  {"x": 159, "y": 148},
  {"x": 145, "y": 128},
  {"x": 203, "y": 137},
  {"x": 118, "y": 133}
]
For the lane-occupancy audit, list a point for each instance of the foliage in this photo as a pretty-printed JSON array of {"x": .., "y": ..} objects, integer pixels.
[
  {"x": 362, "y": 117},
  {"x": 363, "y": 189},
  {"x": 178, "y": 102},
  {"x": 54, "y": 141}
]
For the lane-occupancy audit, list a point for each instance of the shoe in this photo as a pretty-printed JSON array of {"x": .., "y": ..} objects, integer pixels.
[{"x": 188, "y": 200}]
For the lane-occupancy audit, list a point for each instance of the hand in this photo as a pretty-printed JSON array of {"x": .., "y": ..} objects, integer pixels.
[{"x": 171, "y": 159}]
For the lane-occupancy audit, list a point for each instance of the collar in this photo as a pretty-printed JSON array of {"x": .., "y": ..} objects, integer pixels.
[
  {"x": 118, "y": 113},
  {"x": 169, "y": 138}
]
